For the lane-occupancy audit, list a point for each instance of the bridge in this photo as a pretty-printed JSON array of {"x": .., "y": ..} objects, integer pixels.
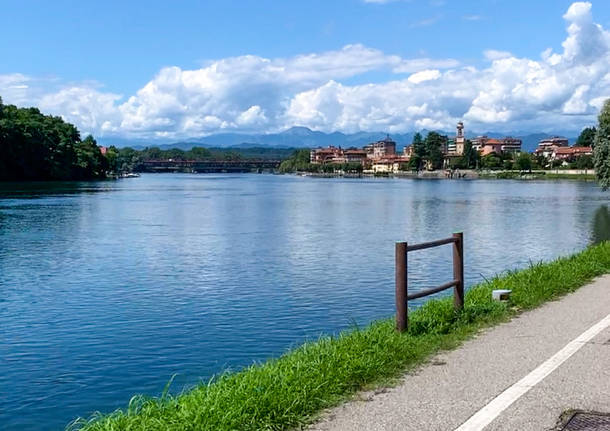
[{"x": 208, "y": 166}]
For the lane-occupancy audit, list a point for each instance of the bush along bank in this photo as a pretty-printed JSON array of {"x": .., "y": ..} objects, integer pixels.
[{"x": 290, "y": 391}]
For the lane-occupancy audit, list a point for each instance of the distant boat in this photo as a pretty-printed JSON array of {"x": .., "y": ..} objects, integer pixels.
[{"x": 130, "y": 175}]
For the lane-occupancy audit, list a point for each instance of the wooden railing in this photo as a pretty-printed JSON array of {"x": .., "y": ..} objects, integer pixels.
[{"x": 402, "y": 284}]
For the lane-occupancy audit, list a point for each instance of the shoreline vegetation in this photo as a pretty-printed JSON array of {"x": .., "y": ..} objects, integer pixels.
[
  {"x": 470, "y": 174},
  {"x": 38, "y": 147},
  {"x": 292, "y": 390}
]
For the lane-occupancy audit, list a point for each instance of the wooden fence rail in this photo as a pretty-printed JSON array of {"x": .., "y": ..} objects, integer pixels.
[{"x": 402, "y": 283}]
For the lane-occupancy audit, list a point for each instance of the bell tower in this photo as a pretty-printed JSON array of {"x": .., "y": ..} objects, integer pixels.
[{"x": 459, "y": 138}]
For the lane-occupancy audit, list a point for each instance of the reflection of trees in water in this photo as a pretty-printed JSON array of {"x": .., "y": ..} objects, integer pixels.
[{"x": 601, "y": 225}]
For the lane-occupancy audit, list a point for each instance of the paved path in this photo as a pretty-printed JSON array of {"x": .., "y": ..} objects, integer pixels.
[{"x": 454, "y": 386}]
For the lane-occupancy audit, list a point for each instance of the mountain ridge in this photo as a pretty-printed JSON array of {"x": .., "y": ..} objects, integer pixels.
[{"x": 303, "y": 137}]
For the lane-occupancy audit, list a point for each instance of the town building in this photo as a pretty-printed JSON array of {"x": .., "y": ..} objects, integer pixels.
[
  {"x": 379, "y": 149},
  {"x": 390, "y": 164},
  {"x": 451, "y": 146},
  {"x": 486, "y": 145},
  {"x": 354, "y": 155},
  {"x": 490, "y": 146},
  {"x": 570, "y": 154},
  {"x": 547, "y": 147},
  {"x": 325, "y": 155},
  {"x": 385, "y": 148},
  {"x": 511, "y": 145}
]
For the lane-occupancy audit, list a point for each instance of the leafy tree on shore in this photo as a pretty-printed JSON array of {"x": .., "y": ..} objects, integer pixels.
[
  {"x": 491, "y": 161},
  {"x": 434, "y": 153},
  {"x": 586, "y": 137},
  {"x": 299, "y": 161},
  {"x": 582, "y": 162},
  {"x": 540, "y": 162},
  {"x": 34, "y": 146},
  {"x": 419, "y": 152},
  {"x": 471, "y": 157},
  {"x": 198, "y": 153},
  {"x": 601, "y": 153},
  {"x": 523, "y": 162}
]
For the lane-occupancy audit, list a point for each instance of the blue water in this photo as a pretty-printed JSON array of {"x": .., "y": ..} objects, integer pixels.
[{"x": 109, "y": 288}]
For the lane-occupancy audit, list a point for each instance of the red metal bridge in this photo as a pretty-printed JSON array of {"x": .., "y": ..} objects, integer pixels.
[{"x": 212, "y": 165}]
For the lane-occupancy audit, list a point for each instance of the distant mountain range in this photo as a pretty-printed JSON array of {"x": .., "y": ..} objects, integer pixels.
[{"x": 299, "y": 137}]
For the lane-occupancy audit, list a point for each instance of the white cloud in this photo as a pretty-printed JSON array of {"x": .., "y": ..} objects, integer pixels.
[
  {"x": 251, "y": 93},
  {"x": 14, "y": 88},
  {"x": 415, "y": 65},
  {"x": 424, "y": 75},
  {"x": 492, "y": 54},
  {"x": 252, "y": 116},
  {"x": 92, "y": 110},
  {"x": 425, "y": 22}
]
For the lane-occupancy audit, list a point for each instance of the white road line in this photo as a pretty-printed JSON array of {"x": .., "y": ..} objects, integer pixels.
[{"x": 487, "y": 414}]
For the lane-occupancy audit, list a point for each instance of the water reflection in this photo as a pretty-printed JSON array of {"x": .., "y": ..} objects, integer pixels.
[
  {"x": 38, "y": 189},
  {"x": 600, "y": 230}
]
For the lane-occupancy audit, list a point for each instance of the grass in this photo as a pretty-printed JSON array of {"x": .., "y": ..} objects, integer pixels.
[
  {"x": 537, "y": 175},
  {"x": 563, "y": 176},
  {"x": 290, "y": 391}
]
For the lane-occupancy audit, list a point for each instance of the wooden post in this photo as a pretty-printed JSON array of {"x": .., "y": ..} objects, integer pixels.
[
  {"x": 401, "y": 287},
  {"x": 458, "y": 270}
]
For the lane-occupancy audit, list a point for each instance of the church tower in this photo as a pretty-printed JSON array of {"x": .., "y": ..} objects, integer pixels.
[{"x": 459, "y": 139}]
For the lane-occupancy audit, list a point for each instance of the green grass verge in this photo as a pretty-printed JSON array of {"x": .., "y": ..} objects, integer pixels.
[
  {"x": 290, "y": 391},
  {"x": 514, "y": 175},
  {"x": 560, "y": 176}
]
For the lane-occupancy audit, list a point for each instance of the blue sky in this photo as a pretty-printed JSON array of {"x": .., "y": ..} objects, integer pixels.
[{"x": 165, "y": 70}]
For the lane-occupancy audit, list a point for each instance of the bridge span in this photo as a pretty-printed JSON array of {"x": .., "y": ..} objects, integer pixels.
[{"x": 208, "y": 166}]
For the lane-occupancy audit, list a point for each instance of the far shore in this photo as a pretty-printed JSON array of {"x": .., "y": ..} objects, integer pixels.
[{"x": 554, "y": 174}]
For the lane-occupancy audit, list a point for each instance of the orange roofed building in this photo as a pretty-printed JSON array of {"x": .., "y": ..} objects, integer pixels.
[
  {"x": 485, "y": 145},
  {"x": 571, "y": 153}
]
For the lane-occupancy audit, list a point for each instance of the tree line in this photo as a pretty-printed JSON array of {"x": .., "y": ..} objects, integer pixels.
[
  {"x": 34, "y": 146},
  {"x": 39, "y": 147}
]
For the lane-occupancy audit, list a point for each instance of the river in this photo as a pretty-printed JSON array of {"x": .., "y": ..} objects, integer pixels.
[{"x": 110, "y": 288}]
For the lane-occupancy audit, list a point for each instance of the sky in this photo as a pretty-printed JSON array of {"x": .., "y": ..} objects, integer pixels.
[{"x": 161, "y": 70}]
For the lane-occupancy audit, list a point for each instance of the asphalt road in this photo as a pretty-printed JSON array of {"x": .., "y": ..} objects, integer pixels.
[{"x": 453, "y": 386}]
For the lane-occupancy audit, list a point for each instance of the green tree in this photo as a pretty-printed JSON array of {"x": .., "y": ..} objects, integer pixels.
[
  {"x": 601, "y": 153},
  {"x": 434, "y": 153},
  {"x": 491, "y": 161},
  {"x": 539, "y": 161},
  {"x": 299, "y": 161},
  {"x": 471, "y": 157},
  {"x": 198, "y": 153},
  {"x": 128, "y": 159},
  {"x": 523, "y": 162},
  {"x": 418, "y": 154},
  {"x": 583, "y": 162},
  {"x": 112, "y": 156},
  {"x": 556, "y": 163},
  {"x": 34, "y": 146},
  {"x": 586, "y": 137}
]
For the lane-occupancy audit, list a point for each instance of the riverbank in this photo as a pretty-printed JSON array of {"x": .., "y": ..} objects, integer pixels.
[
  {"x": 555, "y": 174},
  {"x": 290, "y": 391}
]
